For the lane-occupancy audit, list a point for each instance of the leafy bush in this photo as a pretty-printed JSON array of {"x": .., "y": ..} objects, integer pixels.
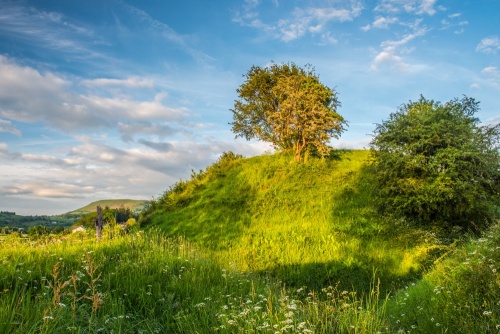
[{"x": 436, "y": 163}]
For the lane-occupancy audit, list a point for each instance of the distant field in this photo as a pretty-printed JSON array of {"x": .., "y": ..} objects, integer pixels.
[{"x": 112, "y": 204}]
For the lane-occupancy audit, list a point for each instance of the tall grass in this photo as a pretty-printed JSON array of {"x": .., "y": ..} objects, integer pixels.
[
  {"x": 460, "y": 295},
  {"x": 146, "y": 283}
]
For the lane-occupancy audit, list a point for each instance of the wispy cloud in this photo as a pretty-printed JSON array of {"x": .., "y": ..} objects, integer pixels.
[
  {"x": 409, "y": 6},
  {"x": 8, "y": 127},
  {"x": 390, "y": 56},
  {"x": 489, "y": 44},
  {"x": 168, "y": 33},
  {"x": 129, "y": 130},
  {"x": 132, "y": 82},
  {"x": 381, "y": 22},
  {"x": 492, "y": 76},
  {"x": 48, "y": 30},
  {"x": 454, "y": 21},
  {"x": 289, "y": 26}
]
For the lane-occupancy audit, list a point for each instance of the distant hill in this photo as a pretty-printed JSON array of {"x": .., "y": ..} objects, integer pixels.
[{"x": 134, "y": 205}]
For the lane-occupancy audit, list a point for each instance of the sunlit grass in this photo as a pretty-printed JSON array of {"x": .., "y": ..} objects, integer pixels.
[
  {"x": 258, "y": 245},
  {"x": 461, "y": 294},
  {"x": 146, "y": 283},
  {"x": 311, "y": 224}
]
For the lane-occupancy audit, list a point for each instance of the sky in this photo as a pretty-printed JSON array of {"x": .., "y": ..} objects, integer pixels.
[{"x": 106, "y": 99}]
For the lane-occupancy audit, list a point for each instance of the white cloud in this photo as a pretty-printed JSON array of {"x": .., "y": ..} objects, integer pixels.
[
  {"x": 327, "y": 39},
  {"x": 390, "y": 55},
  {"x": 408, "y": 6},
  {"x": 381, "y": 23},
  {"x": 129, "y": 130},
  {"x": 52, "y": 100},
  {"x": 453, "y": 21},
  {"x": 389, "y": 59},
  {"x": 489, "y": 44},
  {"x": 6, "y": 126},
  {"x": 49, "y": 30},
  {"x": 492, "y": 76},
  {"x": 491, "y": 71},
  {"x": 132, "y": 82},
  {"x": 301, "y": 21}
]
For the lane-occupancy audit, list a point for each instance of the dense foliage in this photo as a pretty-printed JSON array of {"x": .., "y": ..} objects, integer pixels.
[
  {"x": 110, "y": 216},
  {"x": 288, "y": 107},
  {"x": 436, "y": 163},
  {"x": 13, "y": 221}
]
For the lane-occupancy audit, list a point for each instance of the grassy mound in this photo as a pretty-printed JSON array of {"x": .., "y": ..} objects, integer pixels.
[{"x": 310, "y": 224}]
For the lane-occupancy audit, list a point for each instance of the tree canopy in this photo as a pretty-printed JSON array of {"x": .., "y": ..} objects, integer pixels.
[
  {"x": 288, "y": 107},
  {"x": 436, "y": 163}
]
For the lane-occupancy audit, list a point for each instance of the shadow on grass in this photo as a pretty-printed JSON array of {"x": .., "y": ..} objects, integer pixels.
[
  {"x": 217, "y": 212},
  {"x": 360, "y": 276}
]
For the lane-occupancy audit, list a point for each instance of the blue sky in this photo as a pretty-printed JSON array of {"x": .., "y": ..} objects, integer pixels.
[{"x": 120, "y": 99}]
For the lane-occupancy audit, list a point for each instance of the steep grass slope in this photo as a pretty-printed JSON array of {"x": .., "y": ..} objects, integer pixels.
[{"x": 311, "y": 224}]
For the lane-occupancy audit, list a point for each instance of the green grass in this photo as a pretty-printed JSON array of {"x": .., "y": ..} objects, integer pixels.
[
  {"x": 146, "y": 283},
  {"x": 461, "y": 294},
  {"x": 260, "y": 245},
  {"x": 310, "y": 225}
]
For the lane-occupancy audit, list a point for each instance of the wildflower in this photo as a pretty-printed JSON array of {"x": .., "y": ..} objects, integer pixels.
[
  {"x": 487, "y": 313},
  {"x": 200, "y": 305},
  {"x": 231, "y": 322},
  {"x": 48, "y": 317},
  {"x": 62, "y": 305}
]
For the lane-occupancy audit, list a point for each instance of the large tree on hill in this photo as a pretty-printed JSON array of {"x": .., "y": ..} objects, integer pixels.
[
  {"x": 436, "y": 163},
  {"x": 288, "y": 107}
]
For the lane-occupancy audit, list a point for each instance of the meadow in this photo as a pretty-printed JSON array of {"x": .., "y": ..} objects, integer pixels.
[{"x": 258, "y": 245}]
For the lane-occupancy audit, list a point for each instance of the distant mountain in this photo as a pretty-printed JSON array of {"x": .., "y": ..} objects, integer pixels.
[{"x": 134, "y": 205}]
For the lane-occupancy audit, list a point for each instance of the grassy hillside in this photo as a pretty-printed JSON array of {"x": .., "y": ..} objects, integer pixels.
[
  {"x": 267, "y": 246},
  {"x": 310, "y": 225},
  {"x": 134, "y": 205}
]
